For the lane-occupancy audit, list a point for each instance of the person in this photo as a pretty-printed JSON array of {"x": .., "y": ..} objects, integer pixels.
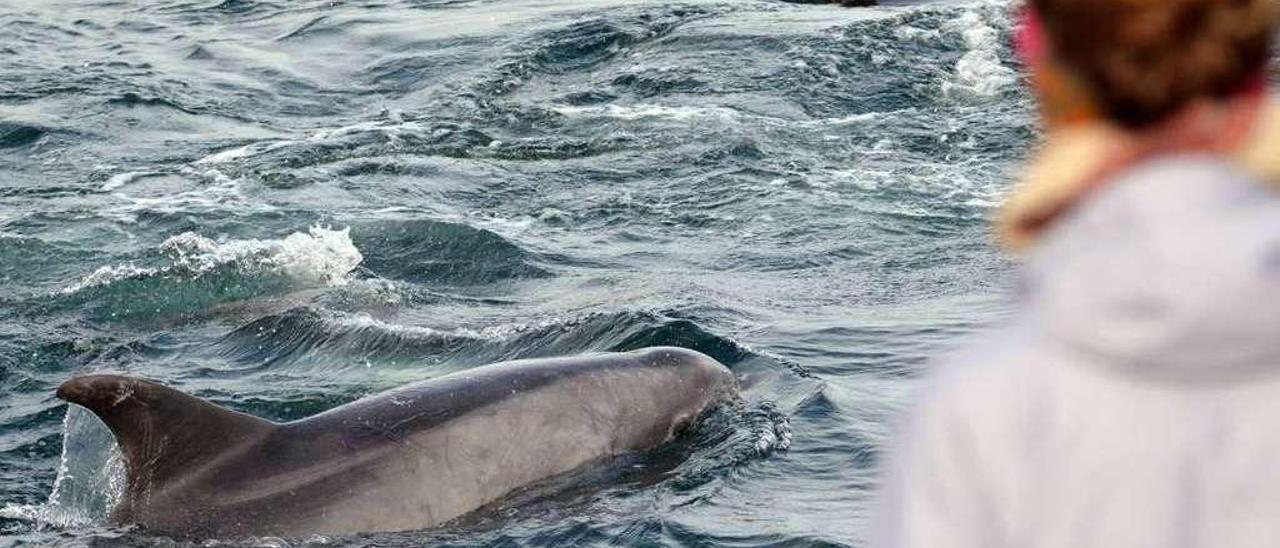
[{"x": 1134, "y": 398}]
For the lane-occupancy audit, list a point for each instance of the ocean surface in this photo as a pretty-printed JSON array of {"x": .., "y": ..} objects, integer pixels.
[{"x": 286, "y": 205}]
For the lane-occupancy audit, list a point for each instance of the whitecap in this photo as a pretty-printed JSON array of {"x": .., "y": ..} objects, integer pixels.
[
  {"x": 122, "y": 179},
  {"x": 237, "y": 153},
  {"x": 320, "y": 256},
  {"x": 364, "y": 321},
  {"x": 107, "y": 275},
  {"x": 980, "y": 72},
  {"x": 636, "y": 112}
]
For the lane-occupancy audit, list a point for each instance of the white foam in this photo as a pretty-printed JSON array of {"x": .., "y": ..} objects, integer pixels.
[
  {"x": 122, "y": 179},
  {"x": 394, "y": 130},
  {"x": 776, "y": 436},
  {"x": 366, "y": 321},
  {"x": 107, "y": 275},
  {"x": 219, "y": 192},
  {"x": 908, "y": 33},
  {"x": 319, "y": 257},
  {"x": 236, "y": 153},
  {"x": 636, "y": 112},
  {"x": 980, "y": 72},
  {"x": 852, "y": 119}
]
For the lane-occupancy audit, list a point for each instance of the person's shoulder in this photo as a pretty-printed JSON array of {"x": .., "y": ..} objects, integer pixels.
[
  {"x": 1189, "y": 189},
  {"x": 1191, "y": 222}
]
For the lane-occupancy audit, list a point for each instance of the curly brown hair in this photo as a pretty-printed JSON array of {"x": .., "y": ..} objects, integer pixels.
[{"x": 1143, "y": 60}]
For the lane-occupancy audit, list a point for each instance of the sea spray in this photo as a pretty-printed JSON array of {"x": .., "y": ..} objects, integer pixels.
[
  {"x": 90, "y": 478},
  {"x": 320, "y": 256},
  {"x": 980, "y": 73},
  {"x": 190, "y": 272}
]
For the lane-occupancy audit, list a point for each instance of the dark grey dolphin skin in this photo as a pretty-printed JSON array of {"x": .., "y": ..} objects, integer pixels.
[{"x": 410, "y": 458}]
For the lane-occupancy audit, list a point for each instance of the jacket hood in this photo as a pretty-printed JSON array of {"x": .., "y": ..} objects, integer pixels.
[
  {"x": 1059, "y": 174},
  {"x": 1171, "y": 270}
]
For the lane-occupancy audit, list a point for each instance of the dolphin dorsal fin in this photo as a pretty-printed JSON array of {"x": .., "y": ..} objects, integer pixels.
[{"x": 161, "y": 432}]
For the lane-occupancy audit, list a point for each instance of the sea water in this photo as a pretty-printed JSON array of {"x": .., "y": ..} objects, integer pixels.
[{"x": 283, "y": 206}]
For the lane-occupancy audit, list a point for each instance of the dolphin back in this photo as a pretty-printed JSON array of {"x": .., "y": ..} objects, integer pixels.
[
  {"x": 408, "y": 458},
  {"x": 163, "y": 434}
]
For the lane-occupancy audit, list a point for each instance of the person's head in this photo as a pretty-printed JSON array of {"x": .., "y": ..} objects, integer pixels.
[{"x": 1138, "y": 62}]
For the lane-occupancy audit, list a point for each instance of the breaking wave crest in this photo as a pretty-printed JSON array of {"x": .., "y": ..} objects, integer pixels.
[{"x": 189, "y": 272}]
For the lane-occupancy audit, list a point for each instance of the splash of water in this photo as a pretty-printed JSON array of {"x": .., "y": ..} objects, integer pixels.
[{"x": 90, "y": 479}]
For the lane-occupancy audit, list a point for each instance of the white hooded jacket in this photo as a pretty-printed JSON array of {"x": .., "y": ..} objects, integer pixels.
[{"x": 1135, "y": 402}]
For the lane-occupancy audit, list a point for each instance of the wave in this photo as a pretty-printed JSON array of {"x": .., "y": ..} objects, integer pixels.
[
  {"x": 318, "y": 338},
  {"x": 14, "y": 135},
  {"x": 122, "y": 179},
  {"x": 981, "y": 71},
  {"x": 360, "y": 140},
  {"x": 306, "y": 337},
  {"x": 195, "y": 272},
  {"x": 435, "y": 252},
  {"x": 28, "y": 262},
  {"x": 642, "y": 111},
  {"x": 581, "y": 46},
  {"x": 196, "y": 191},
  {"x": 321, "y": 256},
  {"x": 306, "y": 340}
]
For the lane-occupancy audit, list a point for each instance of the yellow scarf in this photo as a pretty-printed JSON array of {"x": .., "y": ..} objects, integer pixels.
[{"x": 1061, "y": 172}]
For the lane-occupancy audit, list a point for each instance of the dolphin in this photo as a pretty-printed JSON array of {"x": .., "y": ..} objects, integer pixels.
[{"x": 410, "y": 458}]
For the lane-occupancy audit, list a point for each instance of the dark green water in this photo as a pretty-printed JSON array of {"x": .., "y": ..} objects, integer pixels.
[{"x": 284, "y": 206}]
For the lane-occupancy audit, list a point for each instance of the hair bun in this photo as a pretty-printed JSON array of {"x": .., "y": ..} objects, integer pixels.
[{"x": 1145, "y": 59}]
